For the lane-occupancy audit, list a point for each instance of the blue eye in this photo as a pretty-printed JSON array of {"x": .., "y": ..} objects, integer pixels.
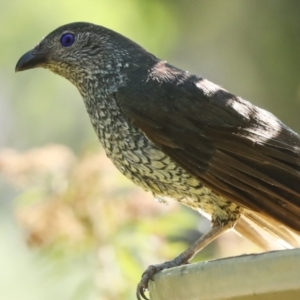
[{"x": 67, "y": 39}]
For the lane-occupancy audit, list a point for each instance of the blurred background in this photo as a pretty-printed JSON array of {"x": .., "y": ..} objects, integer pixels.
[{"x": 71, "y": 226}]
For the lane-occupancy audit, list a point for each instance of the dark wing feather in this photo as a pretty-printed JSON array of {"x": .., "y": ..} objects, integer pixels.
[{"x": 238, "y": 150}]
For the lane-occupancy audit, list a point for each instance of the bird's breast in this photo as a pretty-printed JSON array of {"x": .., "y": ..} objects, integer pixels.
[{"x": 146, "y": 165}]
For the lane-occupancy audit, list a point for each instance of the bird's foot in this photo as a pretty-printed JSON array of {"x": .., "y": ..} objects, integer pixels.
[
  {"x": 154, "y": 269},
  {"x": 181, "y": 259}
]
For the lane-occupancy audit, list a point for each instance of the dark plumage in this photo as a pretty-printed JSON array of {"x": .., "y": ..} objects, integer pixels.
[{"x": 179, "y": 135}]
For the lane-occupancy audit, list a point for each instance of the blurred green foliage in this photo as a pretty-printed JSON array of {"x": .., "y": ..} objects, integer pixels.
[
  {"x": 91, "y": 237},
  {"x": 88, "y": 235}
]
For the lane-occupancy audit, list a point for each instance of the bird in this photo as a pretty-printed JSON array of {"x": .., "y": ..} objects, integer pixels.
[{"x": 178, "y": 135}]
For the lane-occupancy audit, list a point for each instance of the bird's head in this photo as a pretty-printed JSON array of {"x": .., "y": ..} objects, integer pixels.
[{"x": 79, "y": 51}]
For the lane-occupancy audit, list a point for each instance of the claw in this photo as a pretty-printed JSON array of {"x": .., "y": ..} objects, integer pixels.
[
  {"x": 140, "y": 293},
  {"x": 153, "y": 269},
  {"x": 147, "y": 276}
]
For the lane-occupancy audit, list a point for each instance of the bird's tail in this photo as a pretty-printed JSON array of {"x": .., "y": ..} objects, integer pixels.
[{"x": 266, "y": 233}]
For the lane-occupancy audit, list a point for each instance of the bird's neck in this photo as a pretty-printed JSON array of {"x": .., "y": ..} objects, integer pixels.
[{"x": 99, "y": 93}]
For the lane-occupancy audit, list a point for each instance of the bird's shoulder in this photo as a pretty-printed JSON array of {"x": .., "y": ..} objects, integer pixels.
[{"x": 162, "y": 97}]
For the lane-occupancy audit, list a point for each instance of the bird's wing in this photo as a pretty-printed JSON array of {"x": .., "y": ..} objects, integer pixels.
[{"x": 238, "y": 150}]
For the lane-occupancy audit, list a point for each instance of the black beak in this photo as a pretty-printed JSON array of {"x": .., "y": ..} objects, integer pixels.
[{"x": 29, "y": 61}]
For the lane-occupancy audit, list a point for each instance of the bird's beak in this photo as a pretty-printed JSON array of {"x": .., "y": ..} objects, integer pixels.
[{"x": 30, "y": 61}]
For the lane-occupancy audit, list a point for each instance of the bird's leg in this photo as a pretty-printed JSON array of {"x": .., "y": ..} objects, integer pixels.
[{"x": 183, "y": 258}]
